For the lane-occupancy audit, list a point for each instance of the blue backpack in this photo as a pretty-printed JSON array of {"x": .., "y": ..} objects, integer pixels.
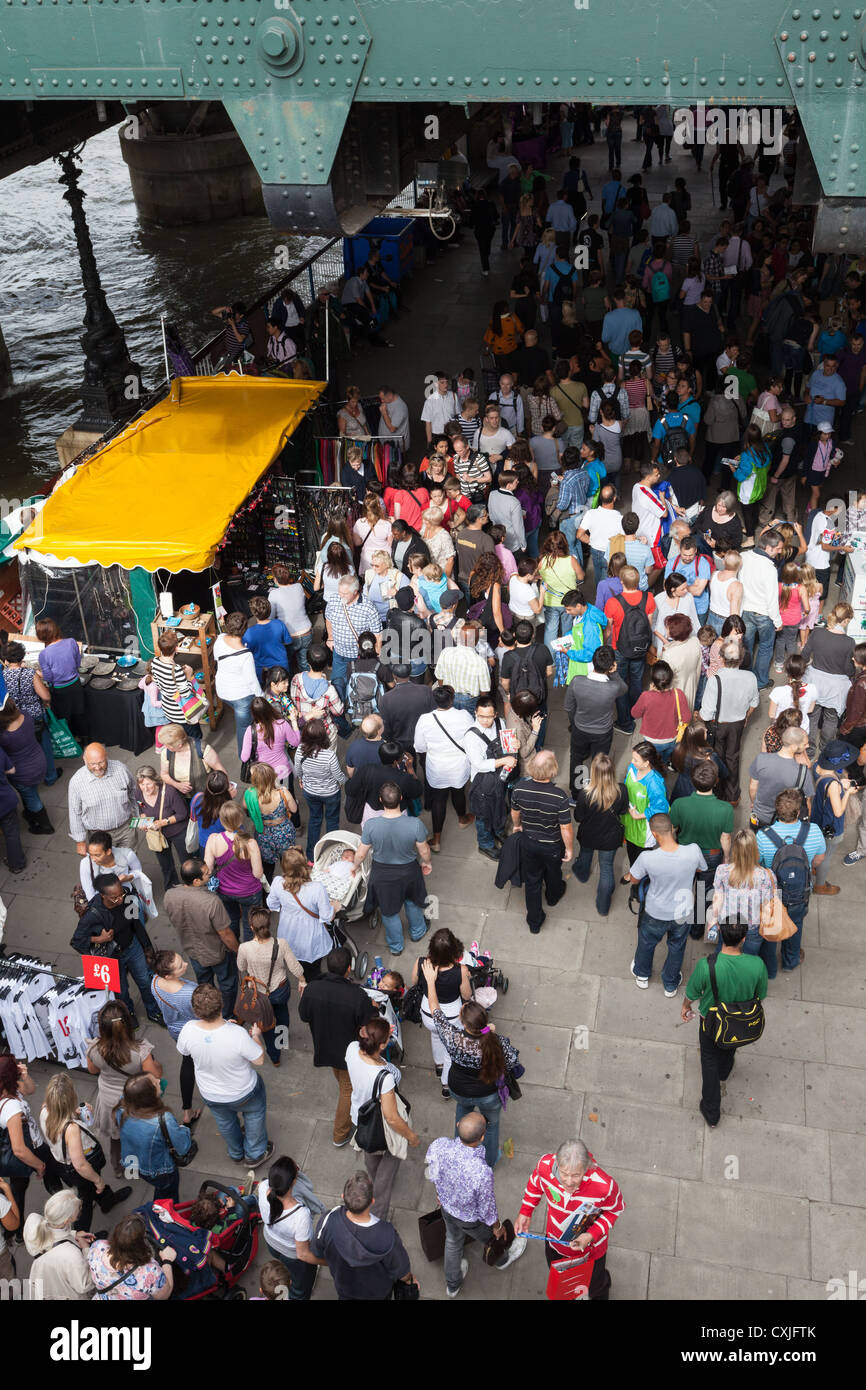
[{"x": 791, "y": 866}]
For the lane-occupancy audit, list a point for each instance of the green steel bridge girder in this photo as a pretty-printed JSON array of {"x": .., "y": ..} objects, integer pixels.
[{"x": 289, "y": 71}]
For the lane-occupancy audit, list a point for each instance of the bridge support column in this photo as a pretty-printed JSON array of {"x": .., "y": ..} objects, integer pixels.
[{"x": 187, "y": 177}]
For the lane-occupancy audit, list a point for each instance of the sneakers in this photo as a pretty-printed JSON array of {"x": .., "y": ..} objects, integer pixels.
[
  {"x": 464, "y": 1270},
  {"x": 642, "y": 981},
  {"x": 854, "y": 857},
  {"x": 341, "y": 1143},
  {"x": 257, "y": 1162},
  {"x": 672, "y": 993}
]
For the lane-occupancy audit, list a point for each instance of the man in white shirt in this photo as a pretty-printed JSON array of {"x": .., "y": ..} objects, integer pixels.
[
  {"x": 760, "y": 610},
  {"x": 598, "y": 526},
  {"x": 651, "y": 509},
  {"x": 393, "y": 417},
  {"x": 818, "y": 553},
  {"x": 663, "y": 221},
  {"x": 561, "y": 217},
  {"x": 510, "y": 403},
  {"x": 439, "y": 407},
  {"x": 225, "y": 1056},
  {"x": 288, "y": 603}
]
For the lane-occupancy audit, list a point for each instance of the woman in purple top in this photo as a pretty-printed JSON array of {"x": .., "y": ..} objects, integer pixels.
[
  {"x": 169, "y": 811},
  {"x": 274, "y": 738},
  {"x": 60, "y": 662},
  {"x": 21, "y": 746},
  {"x": 233, "y": 855},
  {"x": 530, "y": 498},
  {"x": 612, "y": 585}
]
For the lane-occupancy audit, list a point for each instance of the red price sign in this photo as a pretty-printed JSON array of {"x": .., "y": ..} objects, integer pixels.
[{"x": 101, "y": 972}]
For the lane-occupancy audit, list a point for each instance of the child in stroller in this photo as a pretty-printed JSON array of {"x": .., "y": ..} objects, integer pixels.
[
  {"x": 346, "y": 887},
  {"x": 215, "y": 1239}
]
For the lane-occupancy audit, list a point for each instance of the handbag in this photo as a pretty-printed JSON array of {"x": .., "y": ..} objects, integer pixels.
[
  {"x": 179, "y": 1160},
  {"x": 253, "y": 758},
  {"x": 681, "y": 723},
  {"x": 96, "y": 1158},
  {"x": 80, "y": 900},
  {"x": 63, "y": 744},
  {"x": 403, "y": 1292},
  {"x": 776, "y": 924},
  {"x": 191, "y": 839},
  {"x": 431, "y": 1233},
  {"x": 413, "y": 997},
  {"x": 194, "y": 708},
  {"x": 155, "y": 838},
  {"x": 496, "y": 1246},
  {"x": 370, "y": 1133},
  {"x": 253, "y": 1007}
]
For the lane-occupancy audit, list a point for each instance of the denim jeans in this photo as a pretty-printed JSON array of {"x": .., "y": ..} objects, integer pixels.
[
  {"x": 485, "y": 833},
  {"x": 716, "y": 622},
  {"x": 280, "y": 1003},
  {"x": 467, "y": 702},
  {"x": 456, "y": 1232},
  {"x": 247, "y": 1144},
  {"x": 664, "y": 750},
  {"x": 29, "y": 796},
  {"x": 238, "y": 910},
  {"x": 760, "y": 626},
  {"x": 491, "y": 1109},
  {"x": 302, "y": 1275},
  {"x": 298, "y": 649},
  {"x": 243, "y": 718},
  {"x": 317, "y": 807},
  {"x": 132, "y": 963},
  {"x": 755, "y": 945},
  {"x": 606, "y": 882},
  {"x": 340, "y": 673},
  {"x": 393, "y": 925},
  {"x": 569, "y": 527},
  {"x": 630, "y": 669},
  {"x": 650, "y": 932},
  {"x": 532, "y": 543},
  {"x": 599, "y": 565},
  {"x": 557, "y": 623},
  {"x": 224, "y": 976},
  {"x": 790, "y": 949},
  {"x": 51, "y": 773}
]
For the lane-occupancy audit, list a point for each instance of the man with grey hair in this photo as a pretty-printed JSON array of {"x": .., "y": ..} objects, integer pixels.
[
  {"x": 583, "y": 1202},
  {"x": 464, "y": 1186},
  {"x": 346, "y": 616},
  {"x": 730, "y": 696},
  {"x": 365, "y": 1255}
]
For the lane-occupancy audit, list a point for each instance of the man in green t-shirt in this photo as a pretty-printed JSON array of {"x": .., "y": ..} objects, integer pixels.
[
  {"x": 738, "y": 977},
  {"x": 702, "y": 819}
]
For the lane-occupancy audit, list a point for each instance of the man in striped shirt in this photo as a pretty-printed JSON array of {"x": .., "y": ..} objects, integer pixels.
[
  {"x": 346, "y": 617},
  {"x": 469, "y": 422},
  {"x": 471, "y": 469},
  {"x": 542, "y": 811},
  {"x": 570, "y": 1180}
]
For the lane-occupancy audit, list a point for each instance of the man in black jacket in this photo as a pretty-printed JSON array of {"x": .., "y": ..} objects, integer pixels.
[
  {"x": 335, "y": 1007},
  {"x": 369, "y": 780},
  {"x": 366, "y": 1256},
  {"x": 406, "y": 541},
  {"x": 114, "y": 915},
  {"x": 402, "y": 707},
  {"x": 406, "y": 638}
]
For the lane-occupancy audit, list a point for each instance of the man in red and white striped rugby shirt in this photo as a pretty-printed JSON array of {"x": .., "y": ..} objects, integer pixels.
[{"x": 568, "y": 1180}]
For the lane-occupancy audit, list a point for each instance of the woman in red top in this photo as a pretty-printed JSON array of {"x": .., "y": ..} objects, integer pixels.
[
  {"x": 437, "y": 466},
  {"x": 662, "y": 708},
  {"x": 407, "y": 501}
]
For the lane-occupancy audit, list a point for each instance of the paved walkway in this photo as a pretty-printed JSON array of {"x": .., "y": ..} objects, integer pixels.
[{"x": 770, "y": 1205}]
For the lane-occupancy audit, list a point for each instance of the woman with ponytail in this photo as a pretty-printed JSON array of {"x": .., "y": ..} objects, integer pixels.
[
  {"x": 114, "y": 1056},
  {"x": 479, "y": 1061},
  {"x": 233, "y": 855},
  {"x": 797, "y": 694},
  {"x": 364, "y": 1062},
  {"x": 288, "y": 1225},
  {"x": 59, "y": 1249}
]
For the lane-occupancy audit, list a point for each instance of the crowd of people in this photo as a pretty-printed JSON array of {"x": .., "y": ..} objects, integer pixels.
[{"x": 511, "y": 560}]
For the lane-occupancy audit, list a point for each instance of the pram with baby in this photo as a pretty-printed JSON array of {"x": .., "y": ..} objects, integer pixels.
[
  {"x": 350, "y": 894},
  {"x": 236, "y": 1242}
]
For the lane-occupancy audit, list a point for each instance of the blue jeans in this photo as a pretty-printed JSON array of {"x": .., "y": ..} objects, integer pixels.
[
  {"x": 299, "y": 649},
  {"x": 485, "y": 833},
  {"x": 238, "y": 910},
  {"x": 280, "y": 1002},
  {"x": 760, "y": 626},
  {"x": 29, "y": 796},
  {"x": 572, "y": 437},
  {"x": 755, "y": 945},
  {"x": 491, "y": 1109},
  {"x": 532, "y": 543},
  {"x": 581, "y": 870},
  {"x": 599, "y": 565},
  {"x": 630, "y": 669},
  {"x": 715, "y": 621},
  {"x": 649, "y": 933},
  {"x": 319, "y": 806},
  {"x": 557, "y": 623},
  {"x": 224, "y": 976},
  {"x": 418, "y": 926},
  {"x": 569, "y": 528},
  {"x": 243, "y": 718},
  {"x": 467, "y": 702},
  {"x": 664, "y": 750},
  {"x": 247, "y": 1144},
  {"x": 340, "y": 674},
  {"x": 132, "y": 963},
  {"x": 51, "y": 773},
  {"x": 791, "y": 948}
]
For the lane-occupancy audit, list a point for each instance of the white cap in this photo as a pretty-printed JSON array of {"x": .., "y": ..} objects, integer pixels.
[{"x": 825, "y": 427}]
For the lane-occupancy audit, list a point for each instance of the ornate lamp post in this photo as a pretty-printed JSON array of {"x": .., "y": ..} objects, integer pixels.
[{"x": 112, "y": 381}]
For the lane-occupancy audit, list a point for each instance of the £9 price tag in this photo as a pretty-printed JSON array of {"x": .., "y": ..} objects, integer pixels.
[{"x": 101, "y": 972}]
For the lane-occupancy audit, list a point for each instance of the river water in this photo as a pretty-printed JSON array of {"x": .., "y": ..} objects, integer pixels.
[{"x": 183, "y": 271}]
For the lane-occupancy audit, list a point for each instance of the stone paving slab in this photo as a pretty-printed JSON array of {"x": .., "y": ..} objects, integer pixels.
[
  {"x": 625, "y": 1135},
  {"x": 628, "y": 1068},
  {"x": 686, "y": 1279},
  {"x": 778, "y": 1158},
  {"x": 847, "y": 1166},
  {"x": 838, "y": 1241},
  {"x": 836, "y": 1097},
  {"x": 650, "y": 1219},
  {"x": 759, "y": 1087},
  {"x": 741, "y": 1226}
]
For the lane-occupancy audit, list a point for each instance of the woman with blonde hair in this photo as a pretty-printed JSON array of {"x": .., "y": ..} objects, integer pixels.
[
  {"x": 182, "y": 763},
  {"x": 232, "y": 855},
  {"x": 742, "y": 890},
  {"x": 305, "y": 909},
  {"x": 270, "y": 809},
  {"x": 528, "y": 225},
  {"x": 381, "y": 582},
  {"x": 371, "y": 532},
  {"x": 599, "y": 807},
  {"x": 437, "y": 539},
  {"x": 68, "y": 1128},
  {"x": 559, "y": 573},
  {"x": 351, "y": 420},
  {"x": 58, "y": 1246}
]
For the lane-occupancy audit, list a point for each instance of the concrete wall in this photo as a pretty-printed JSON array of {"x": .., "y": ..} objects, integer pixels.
[{"x": 179, "y": 179}]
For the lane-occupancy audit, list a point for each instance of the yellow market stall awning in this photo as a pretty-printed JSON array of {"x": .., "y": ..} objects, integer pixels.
[{"x": 162, "y": 494}]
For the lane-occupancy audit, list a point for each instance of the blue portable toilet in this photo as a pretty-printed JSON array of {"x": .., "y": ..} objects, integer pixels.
[{"x": 394, "y": 237}]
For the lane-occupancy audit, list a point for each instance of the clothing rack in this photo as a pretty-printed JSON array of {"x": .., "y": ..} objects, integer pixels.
[
  {"x": 316, "y": 507},
  {"x": 36, "y": 1007},
  {"x": 329, "y": 454}
]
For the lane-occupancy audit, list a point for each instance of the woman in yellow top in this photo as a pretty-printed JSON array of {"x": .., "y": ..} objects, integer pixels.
[
  {"x": 503, "y": 332},
  {"x": 559, "y": 573}
]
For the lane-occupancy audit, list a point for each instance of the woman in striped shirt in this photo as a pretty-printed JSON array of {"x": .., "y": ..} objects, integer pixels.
[
  {"x": 320, "y": 778},
  {"x": 174, "y": 683}
]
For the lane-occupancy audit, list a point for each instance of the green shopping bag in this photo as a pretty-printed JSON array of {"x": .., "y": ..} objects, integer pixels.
[{"x": 63, "y": 745}]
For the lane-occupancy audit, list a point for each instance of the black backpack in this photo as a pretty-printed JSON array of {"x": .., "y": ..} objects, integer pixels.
[
  {"x": 635, "y": 633},
  {"x": 791, "y": 866},
  {"x": 527, "y": 675},
  {"x": 564, "y": 287},
  {"x": 676, "y": 437}
]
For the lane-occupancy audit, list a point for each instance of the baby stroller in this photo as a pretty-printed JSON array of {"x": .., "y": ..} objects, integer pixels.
[
  {"x": 168, "y": 1223},
  {"x": 485, "y": 977},
  {"x": 352, "y": 895}
]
